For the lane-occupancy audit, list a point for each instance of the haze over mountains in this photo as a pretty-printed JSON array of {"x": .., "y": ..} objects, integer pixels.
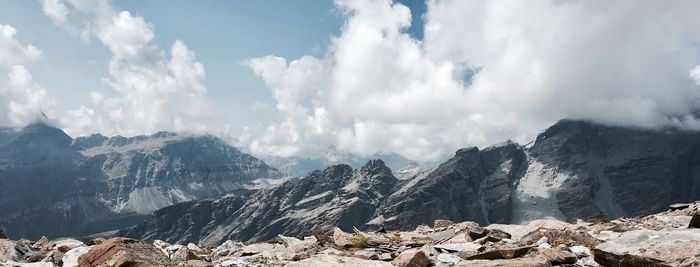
[{"x": 300, "y": 166}]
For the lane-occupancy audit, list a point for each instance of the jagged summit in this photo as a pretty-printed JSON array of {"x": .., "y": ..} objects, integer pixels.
[
  {"x": 302, "y": 165},
  {"x": 376, "y": 167}
]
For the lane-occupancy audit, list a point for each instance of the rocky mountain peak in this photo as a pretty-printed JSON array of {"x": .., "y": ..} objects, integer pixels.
[
  {"x": 376, "y": 167},
  {"x": 338, "y": 170},
  {"x": 43, "y": 134},
  {"x": 467, "y": 152}
]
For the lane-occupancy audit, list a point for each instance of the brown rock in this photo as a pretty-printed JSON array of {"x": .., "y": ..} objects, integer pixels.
[
  {"x": 520, "y": 262},
  {"x": 695, "y": 221},
  {"x": 42, "y": 244},
  {"x": 557, "y": 256},
  {"x": 412, "y": 258},
  {"x": 562, "y": 236},
  {"x": 440, "y": 236},
  {"x": 501, "y": 253},
  {"x": 442, "y": 223},
  {"x": 122, "y": 252},
  {"x": 342, "y": 239}
]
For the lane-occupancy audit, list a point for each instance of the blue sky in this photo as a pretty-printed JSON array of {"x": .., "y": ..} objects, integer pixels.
[{"x": 221, "y": 33}]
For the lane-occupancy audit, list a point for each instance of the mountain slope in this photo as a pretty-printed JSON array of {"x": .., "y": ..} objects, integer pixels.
[
  {"x": 573, "y": 170},
  {"x": 53, "y": 185},
  {"x": 336, "y": 196}
]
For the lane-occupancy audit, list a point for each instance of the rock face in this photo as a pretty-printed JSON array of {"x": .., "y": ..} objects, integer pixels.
[
  {"x": 53, "y": 185},
  {"x": 609, "y": 172},
  {"x": 473, "y": 185}
]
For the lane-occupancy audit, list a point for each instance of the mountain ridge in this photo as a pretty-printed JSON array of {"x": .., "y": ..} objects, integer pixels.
[
  {"x": 573, "y": 170},
  {"x": 95, "y": 183}
]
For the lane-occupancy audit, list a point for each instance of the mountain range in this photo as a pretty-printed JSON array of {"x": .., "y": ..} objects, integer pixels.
[
  {"x": 573, "y": 170},
  {"x": 53, "y": 185},
  {"x": 196, "y": 188}
]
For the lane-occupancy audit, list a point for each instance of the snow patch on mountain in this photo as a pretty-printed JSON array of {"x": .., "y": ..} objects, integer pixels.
[{"x": 535, "y": 196}]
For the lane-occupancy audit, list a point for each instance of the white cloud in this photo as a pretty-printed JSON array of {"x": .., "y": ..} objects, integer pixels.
[
  {"x": 125, "y": 35},
  {"x": 56, "y": 11},
  {"x": 296, "y": 87},
  {"x": 152, "y": 90},
  {"x": 380, "y": 90},
  {"x": 21, "y": 99}
]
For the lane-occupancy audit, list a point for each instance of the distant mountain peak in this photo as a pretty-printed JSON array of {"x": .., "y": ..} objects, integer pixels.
[{"x": 98, "y": 183}]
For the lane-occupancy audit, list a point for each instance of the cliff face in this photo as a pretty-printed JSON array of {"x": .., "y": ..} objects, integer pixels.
[
  {"x": 53, "y": 185},
  {"x": 474, "y": 185},
  {"x": 613, "y": 171},
  {"x": 573, "y": 170}
]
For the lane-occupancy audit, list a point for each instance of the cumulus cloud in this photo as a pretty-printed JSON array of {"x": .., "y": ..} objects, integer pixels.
[
  {"x": 152, "y": 89},
  {"x": 21, "y": 99},
  {"x": 56, "y": 11},
  {"x": 485, "y": 71}
]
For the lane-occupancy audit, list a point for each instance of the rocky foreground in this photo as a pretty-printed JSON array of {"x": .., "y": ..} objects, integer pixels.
[{"x": 670, "y": 238}]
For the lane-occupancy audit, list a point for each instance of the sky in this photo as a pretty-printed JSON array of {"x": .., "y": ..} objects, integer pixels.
[{"x": 289, "y": 78}]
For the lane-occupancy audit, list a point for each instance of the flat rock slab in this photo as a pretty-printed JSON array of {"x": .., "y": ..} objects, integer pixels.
[
  {"x": 519, "y": 262},
  {"x": 336, "y": 261},
  {"x": 650, "y": 248}
]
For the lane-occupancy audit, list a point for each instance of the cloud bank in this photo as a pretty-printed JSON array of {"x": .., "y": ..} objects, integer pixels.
[
  {"x": 486, "y": 71},
  {"x": 152, "y": 89},
  {"x": 21, "y": 99}
]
